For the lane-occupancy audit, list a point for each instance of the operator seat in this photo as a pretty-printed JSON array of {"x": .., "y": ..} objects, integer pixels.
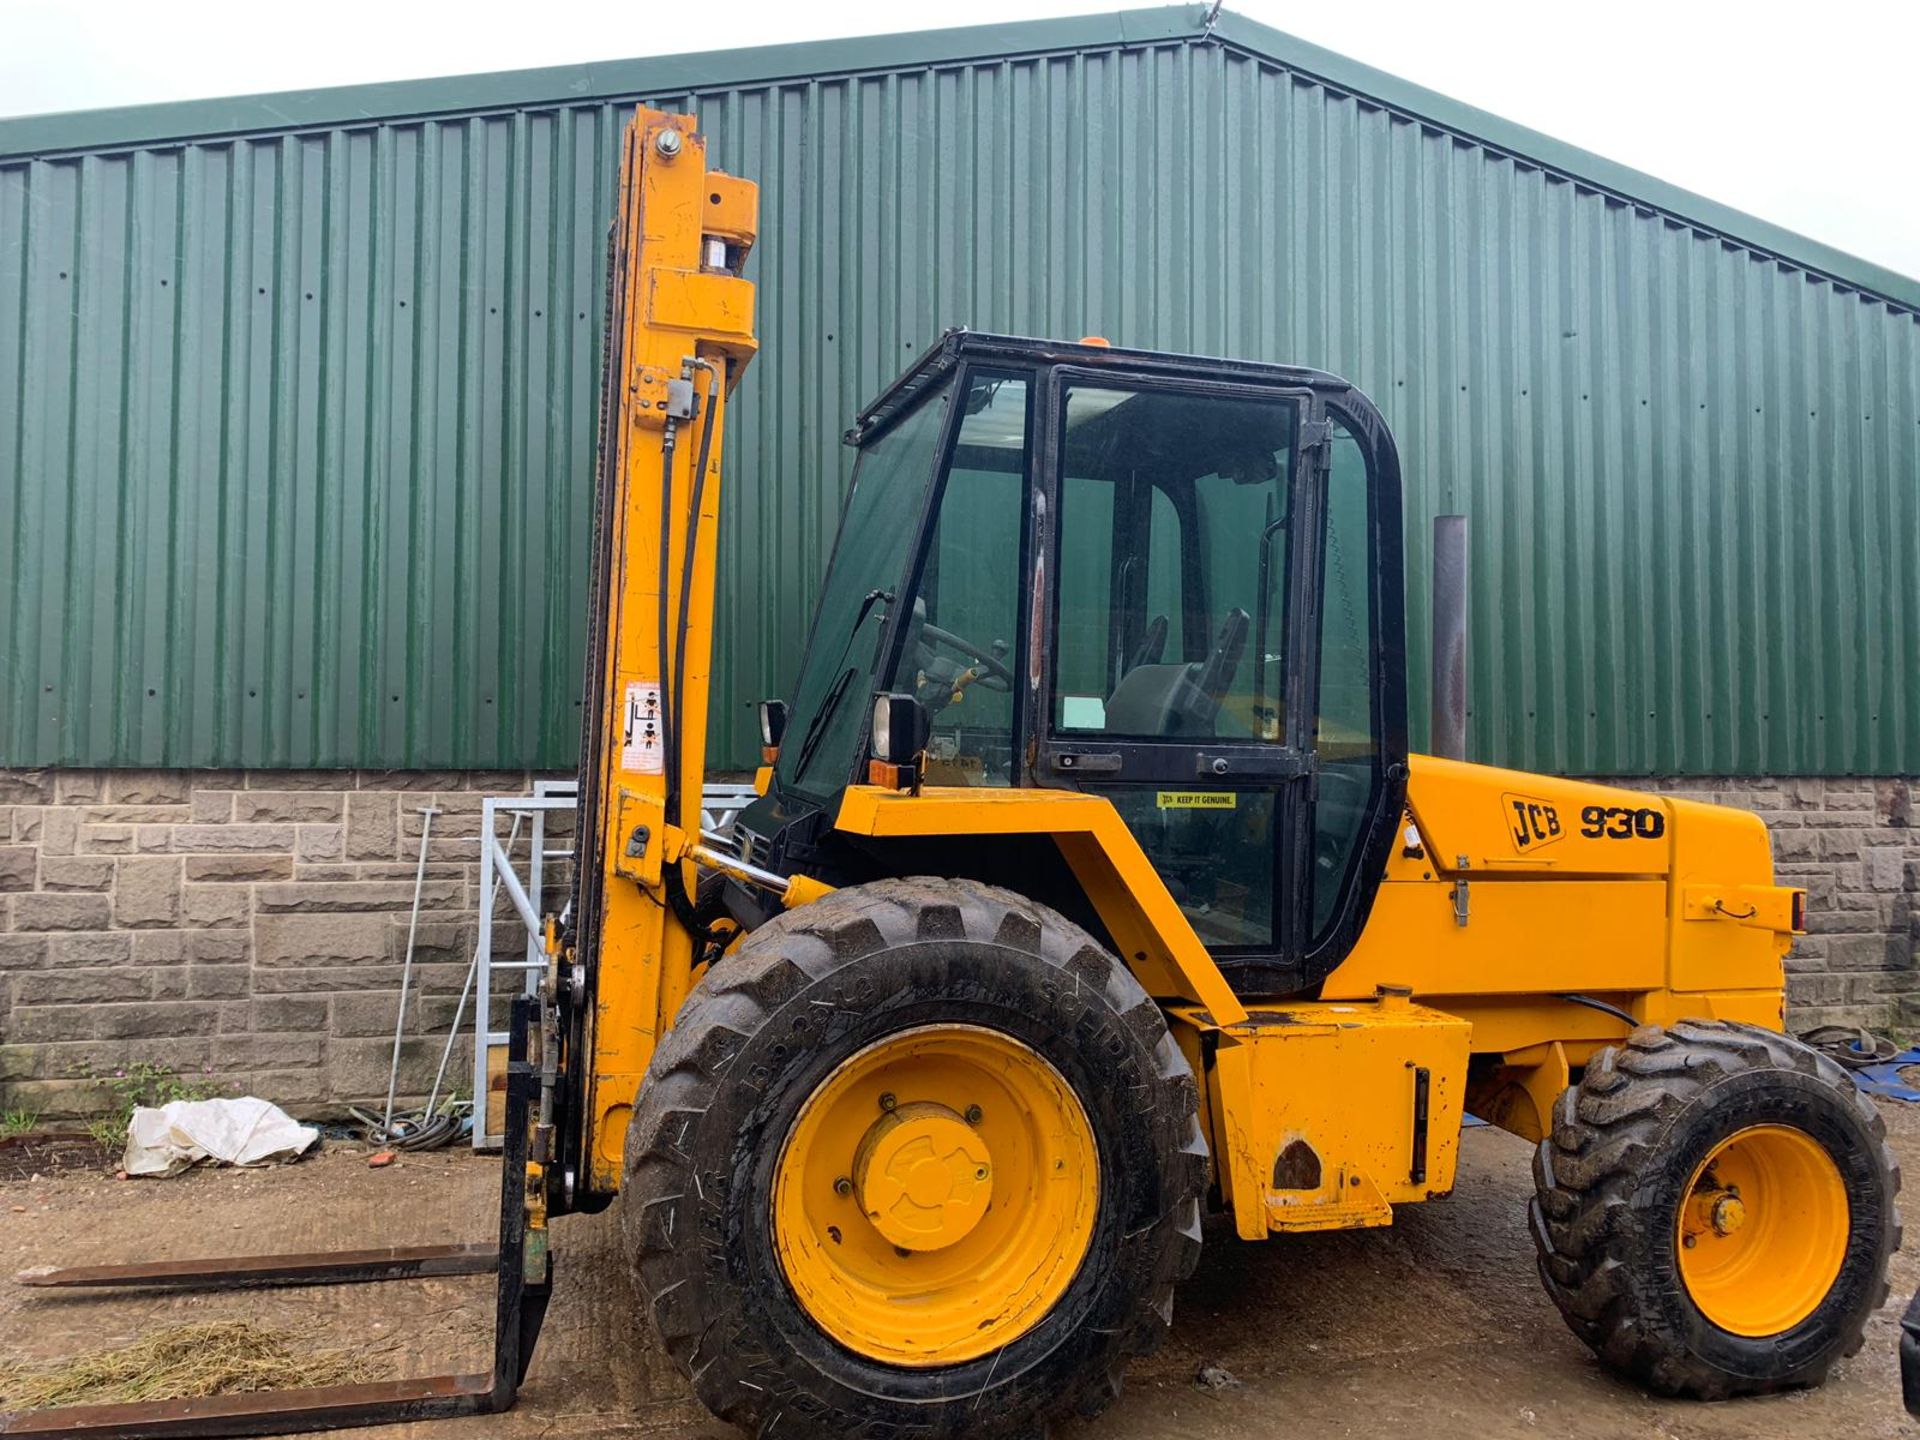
[{"x": 1179, "y": 699}]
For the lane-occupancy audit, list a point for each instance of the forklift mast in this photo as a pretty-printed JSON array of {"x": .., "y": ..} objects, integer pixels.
[{"x": 679, "y": 335}]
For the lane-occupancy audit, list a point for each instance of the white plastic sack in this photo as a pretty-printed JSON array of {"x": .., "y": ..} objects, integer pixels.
[{"x": 182, "y": 1133}]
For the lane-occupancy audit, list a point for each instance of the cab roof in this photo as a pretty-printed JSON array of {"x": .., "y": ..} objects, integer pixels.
[{"x": 960, "y": 344}]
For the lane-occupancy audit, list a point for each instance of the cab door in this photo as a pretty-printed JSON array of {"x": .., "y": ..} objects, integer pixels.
[{"x": 1183, "y": 633}]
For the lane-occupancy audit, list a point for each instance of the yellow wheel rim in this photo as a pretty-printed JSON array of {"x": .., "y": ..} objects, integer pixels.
[
  {"x": 1763, "y": 1230},
  {"x": 935, "y": 1196}
]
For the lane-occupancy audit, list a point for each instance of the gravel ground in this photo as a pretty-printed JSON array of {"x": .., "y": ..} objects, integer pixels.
[{"x": 1436, "y": 1327}]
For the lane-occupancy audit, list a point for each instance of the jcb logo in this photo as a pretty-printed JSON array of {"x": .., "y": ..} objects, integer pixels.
[{"x": 1532, "y": 823}]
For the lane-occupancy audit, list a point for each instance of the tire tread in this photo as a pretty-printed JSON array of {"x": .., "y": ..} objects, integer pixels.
[{"x": 1607, "y": 1133}]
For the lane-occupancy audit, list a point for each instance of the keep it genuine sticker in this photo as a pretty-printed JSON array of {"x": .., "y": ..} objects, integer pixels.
[{"x": 1198, "y": 800}]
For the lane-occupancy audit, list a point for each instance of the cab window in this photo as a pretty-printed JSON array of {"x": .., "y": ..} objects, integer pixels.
[
  {"x": 1171, "y": 609},
  {"x": 1346, "y": 726},
  {"x": 962, "y": 620},
  {"x": 1173, "y": 565}
]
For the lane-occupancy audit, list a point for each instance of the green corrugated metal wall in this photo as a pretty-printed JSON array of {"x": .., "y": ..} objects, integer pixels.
[{"x": 296, "y": 423}]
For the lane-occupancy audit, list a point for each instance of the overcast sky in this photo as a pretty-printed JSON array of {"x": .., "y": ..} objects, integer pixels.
[{"x": 1805, "y": 115}]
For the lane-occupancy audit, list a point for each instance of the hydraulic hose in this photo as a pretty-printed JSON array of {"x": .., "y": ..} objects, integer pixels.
[
  {"x": 686, "y": 570},
  {"x": 1602, "y": 1006}
]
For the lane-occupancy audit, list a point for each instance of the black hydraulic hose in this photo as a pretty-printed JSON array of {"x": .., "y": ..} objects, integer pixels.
[
  {"x": 686, "y": 576},
  {"x": 676, "y": 891},
  {"x": 423, "y": 1132},
  {"x": 1852, "y": 1046},
  {"x": 1602, "y": 1006},
  {"x": 667, "y": 446}
]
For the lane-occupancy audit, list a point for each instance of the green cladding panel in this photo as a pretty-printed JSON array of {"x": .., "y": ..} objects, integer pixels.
[{"x": 297, "y": 393}]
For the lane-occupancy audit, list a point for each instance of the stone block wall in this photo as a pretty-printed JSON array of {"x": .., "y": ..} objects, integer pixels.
[
  {"x": 249, "y": 928},
  {"x": 246, "y": 930}
]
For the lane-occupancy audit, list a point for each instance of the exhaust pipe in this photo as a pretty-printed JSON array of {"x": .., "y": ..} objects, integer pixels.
[{"x": 1448, "y": 734}]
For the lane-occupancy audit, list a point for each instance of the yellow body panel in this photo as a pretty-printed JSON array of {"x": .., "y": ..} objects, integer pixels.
[
  {"x": 1521, "y": 937},
  {"x": 1480, "y": 819},
  {"x": 1124, "y": 888},
  {"x": 1326, "y": 1115},
  {"x": 670, "y": 307},
  {"x": 1688, "y": 923},
  {"x": 1505, "y": 893},
  {"x": 1730, "y": 926}
]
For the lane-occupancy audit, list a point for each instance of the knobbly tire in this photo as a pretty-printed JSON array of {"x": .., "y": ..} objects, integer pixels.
[
  {"x": 758, "y": 1036},
  {"x": 1626, "y": 1145}
]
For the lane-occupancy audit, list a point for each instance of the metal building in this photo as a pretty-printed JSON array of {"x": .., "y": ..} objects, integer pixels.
[{"x": 297, "y": 392}]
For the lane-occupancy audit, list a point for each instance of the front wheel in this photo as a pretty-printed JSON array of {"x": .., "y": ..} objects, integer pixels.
[
  {"x": 1714, "y": 1210},
  {"x": 918, "y": 1159}
]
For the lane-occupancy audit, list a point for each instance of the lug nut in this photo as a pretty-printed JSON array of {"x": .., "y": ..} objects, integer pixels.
[
  {"x": 887, "y": 1102},
  {"x": 843, "y": 1186},
  {"x": 973, "y": 1114}
]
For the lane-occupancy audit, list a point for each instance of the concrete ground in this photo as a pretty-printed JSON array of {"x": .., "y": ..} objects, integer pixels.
[{"x": 1436, "y": 1327}]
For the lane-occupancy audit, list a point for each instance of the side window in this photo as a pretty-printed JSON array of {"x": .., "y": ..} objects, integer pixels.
[
  {"x": 1346, "y": 733},
  {"x": 958, "y": 653},
  {"x": 1172, "y": 564}
]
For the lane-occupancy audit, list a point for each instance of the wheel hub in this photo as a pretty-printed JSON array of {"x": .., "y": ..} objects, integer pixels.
[
  {"x": 1763, "y": 1230},
  {"x": 923, "y": 1176},
  {"x": 1727, "y": 1215},
  {"x": 935, "y": 1195}
]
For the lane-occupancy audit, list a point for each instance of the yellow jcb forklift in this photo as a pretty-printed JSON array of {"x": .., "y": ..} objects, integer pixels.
[{"x": 1092, "y": 890}]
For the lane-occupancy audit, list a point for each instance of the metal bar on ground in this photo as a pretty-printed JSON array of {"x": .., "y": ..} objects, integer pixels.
[
  {"x": 326, "y": 1267},
  {"x": 263, "y": 1412}
]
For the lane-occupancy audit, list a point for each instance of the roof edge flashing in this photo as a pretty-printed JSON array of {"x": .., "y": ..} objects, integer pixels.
[
  {"x": 63, "y": 135},
  {"x": 180, "y": 122},
  {"x": 1525, "y": 145}
]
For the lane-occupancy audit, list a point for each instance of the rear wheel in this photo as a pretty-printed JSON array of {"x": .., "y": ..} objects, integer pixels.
[
  {"x": 917, "y": 1159},
  {"x": 1715, "y": 1210}
]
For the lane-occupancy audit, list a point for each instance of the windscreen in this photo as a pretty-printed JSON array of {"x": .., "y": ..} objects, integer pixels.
[{"x": 877, "y": 530}]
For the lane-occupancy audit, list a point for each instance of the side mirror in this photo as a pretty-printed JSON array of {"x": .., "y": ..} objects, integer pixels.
[{"x": 773, "y": 729}]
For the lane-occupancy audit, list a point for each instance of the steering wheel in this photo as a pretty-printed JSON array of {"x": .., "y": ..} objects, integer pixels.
[{"x": 992, "y": 672}]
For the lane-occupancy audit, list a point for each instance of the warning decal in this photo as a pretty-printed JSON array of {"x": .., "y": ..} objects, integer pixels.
[{"x": 642, "y": 749}]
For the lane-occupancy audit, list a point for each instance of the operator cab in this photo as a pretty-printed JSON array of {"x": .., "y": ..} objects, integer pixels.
[{"x": 1172, "y": 581}]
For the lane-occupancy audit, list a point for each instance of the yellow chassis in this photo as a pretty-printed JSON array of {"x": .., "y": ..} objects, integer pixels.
[{"x": 1325, "y": 1114}]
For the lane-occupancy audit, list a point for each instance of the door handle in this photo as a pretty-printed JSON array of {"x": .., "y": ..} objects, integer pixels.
[
  {"x": 1103, "y": 762},
  {"x": 1282, "y": 766}
]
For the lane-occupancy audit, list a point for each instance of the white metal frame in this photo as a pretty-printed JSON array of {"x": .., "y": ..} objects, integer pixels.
[{"x": 719, "y": 805}]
